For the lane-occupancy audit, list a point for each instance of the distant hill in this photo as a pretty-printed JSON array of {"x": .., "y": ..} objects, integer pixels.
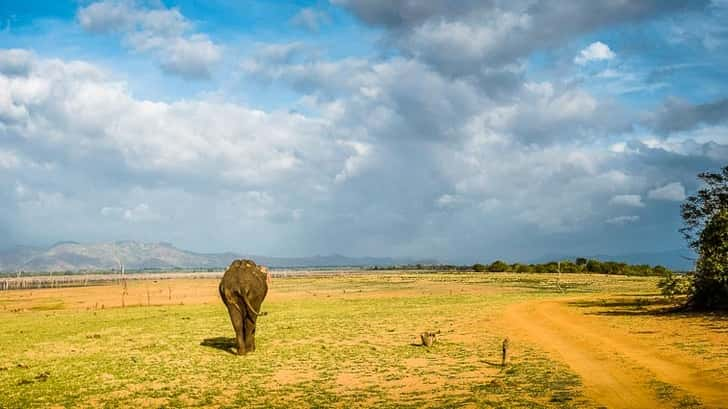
[
  {"x": 72, "y": 256},
  {"x": 678, "y": 259}
]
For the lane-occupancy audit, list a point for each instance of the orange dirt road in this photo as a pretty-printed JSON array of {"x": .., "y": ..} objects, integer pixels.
[{"x": 616, "y": 368}]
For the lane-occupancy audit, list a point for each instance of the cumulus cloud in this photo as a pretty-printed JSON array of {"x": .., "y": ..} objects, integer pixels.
[
  {"x": 461, "y": 38},
  {"x": 672, "y": 192},
  {"x": 71, "y": 105},
  {"x": 359, "y": 158},
  {"x": 627, "y": 200},
  {"x": 532, "y": 159},
  {"x": 163, "y": 33},
  {"x": 83, "y": 119},
  {"x": 596, "y": 51},
  {"x": 15, "y": 61},
  {"x": 677, "y": 115}
]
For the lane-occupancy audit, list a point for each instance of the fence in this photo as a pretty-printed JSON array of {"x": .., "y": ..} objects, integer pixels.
[{"x": 83, "y": 280}]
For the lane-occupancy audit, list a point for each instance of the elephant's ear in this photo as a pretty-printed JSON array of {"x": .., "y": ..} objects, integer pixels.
[{"x": 266, "y": 274}]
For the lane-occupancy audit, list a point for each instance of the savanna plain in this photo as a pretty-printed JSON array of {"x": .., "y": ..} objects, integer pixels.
[{"x": 352, "y": 340}]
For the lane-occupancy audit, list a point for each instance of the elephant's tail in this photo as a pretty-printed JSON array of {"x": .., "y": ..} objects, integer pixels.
[{"x": 247, "y": 304}]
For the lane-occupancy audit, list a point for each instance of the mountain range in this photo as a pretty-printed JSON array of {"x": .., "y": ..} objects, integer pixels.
[{"x": 73, "y": 256}]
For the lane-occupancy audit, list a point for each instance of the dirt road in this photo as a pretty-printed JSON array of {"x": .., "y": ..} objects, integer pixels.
[{"x": 618, "y": 370}]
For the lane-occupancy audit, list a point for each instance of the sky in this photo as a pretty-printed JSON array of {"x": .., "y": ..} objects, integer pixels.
[{"x": 462, "y": 131}]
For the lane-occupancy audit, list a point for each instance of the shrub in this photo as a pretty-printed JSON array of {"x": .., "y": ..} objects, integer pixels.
[
  {"x": 498, "y": 266},
  {"x": 521, "y": 268},
  {"x": 672, "y": 285}
]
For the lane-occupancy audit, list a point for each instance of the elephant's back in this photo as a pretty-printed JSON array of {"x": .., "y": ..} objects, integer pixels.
[{"x": 243, "y": 274}]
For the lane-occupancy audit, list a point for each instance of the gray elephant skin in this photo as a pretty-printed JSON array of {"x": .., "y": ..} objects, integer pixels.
[{"x": 243, "y": 288}]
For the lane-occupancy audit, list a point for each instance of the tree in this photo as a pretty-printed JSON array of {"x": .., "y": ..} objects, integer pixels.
[
  {"x": 498, "y": 266},
  {"x": 710, "y": 287},
  {"x": 705, "y": 217},
  {"x": 701, "y": 207},
  {"x": 477, "y": 267},
  {"x": 594, "y": 266}
]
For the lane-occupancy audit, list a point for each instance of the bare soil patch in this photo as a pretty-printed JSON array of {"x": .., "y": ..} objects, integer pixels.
[{"x": 617, "y": 363}]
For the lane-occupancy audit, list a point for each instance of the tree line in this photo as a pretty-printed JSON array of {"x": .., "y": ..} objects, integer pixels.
[{"x": 579, "y": 265}]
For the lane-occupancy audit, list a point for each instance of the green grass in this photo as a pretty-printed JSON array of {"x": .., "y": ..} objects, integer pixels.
[{"x": 334, "y": 347}]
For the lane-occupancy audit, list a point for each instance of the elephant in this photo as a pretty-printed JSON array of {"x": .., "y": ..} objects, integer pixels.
[{"x": 243, "y": 288}]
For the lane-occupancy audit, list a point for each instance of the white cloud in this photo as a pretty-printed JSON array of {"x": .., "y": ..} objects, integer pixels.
[
  {"x": 622, "y": 220},
  {"x": 672, "y": 191},
  {"x": 112, "y": 211},
  {"x": 8, "y": 160},
  {"x": 360, "y": 155},
  {"x": 141, "y": 213},
  {"x": 163, "y": 33},
  {"x": 79, "y": 110},
  {"x": 597, "y": 51},
  {"x": 15, "y": 61},
  {"x": 310, "y": 19},
  {"x": 627, "y": 200},
  {"x": 448, "y": 201}
]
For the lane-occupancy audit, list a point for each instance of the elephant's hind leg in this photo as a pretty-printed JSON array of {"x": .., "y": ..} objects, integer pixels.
[
  {"x": 236, "y": 316},
  {"x": 249, "y": 331}
]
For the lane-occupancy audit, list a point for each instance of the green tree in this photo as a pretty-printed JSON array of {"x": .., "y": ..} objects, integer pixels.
[
  {"x": 710, "y": 286},
  {"x": 698, "y": 209},
  {"x": 671, "y": 285},
  {"x": 520, "y": 268},
  {"x": 705, "y": 229},
  {"x": 498, "y": 266},
  {"x": 479, "y": 267},
  {"x": 594, "y": 266}
]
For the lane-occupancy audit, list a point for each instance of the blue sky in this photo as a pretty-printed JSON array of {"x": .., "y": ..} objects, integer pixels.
[{"x": 462, "y": 131}]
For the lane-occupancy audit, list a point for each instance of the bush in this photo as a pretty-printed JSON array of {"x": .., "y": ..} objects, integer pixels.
[
  {"x": 498, "y": 266},
  {"x": 521, "y": 268},
  {"x": 594, "y": 266},
  {"x": 479, "y": 267},
  {"x": 673, "y": 285}
]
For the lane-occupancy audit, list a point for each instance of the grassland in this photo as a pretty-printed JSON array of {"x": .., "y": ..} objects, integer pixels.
[{"x": 350, "y": 341}]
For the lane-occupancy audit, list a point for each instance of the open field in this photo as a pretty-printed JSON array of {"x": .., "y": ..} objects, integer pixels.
[{"x": 348, "y": 341}]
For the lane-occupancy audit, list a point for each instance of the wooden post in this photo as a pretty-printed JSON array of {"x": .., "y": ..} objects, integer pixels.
[
  {"x": 504, "y": 357},
  {"x": 558, "y": 277}
]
